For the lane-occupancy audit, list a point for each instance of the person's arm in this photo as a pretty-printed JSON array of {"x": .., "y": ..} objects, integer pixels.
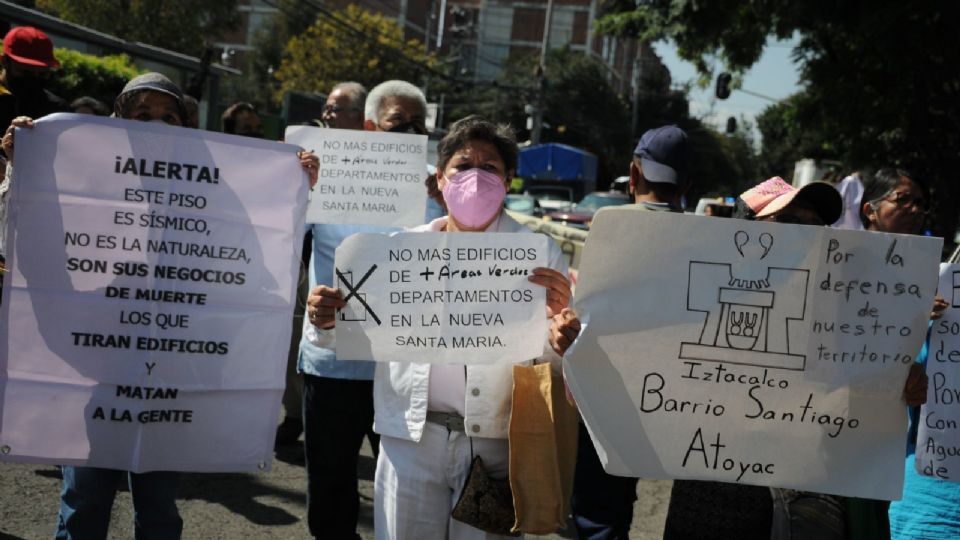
[
  {"x": 321, "y": 316},
  {"x": 915, "y": 388},
  {"x": 564, "y": 329}
]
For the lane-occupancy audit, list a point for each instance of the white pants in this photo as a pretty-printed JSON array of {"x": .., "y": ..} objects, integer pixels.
[{"x": 418, "y": 484}]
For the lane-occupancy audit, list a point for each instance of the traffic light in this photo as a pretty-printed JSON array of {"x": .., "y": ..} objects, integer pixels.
[
  {"x": 731, "y": 125},
  {"x": 723, "y": 85}
]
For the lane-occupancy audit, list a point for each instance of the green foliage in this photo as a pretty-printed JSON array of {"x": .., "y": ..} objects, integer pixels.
[
  {"x": 100, "y": 77},
  {"x": 879, "y": 86},
  {"x": 179, "y": 25},
  {"x": 328, "y": 52},
  {"x": 791, "y": 131}
]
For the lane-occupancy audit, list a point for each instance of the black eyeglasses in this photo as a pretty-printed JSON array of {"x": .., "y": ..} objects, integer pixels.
[
  {"x": 904, "y": 200},
  {"x": 332, "y": 109}
]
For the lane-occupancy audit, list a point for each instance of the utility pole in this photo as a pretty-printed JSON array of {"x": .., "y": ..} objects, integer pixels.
[{"x": 541, "y": 73}]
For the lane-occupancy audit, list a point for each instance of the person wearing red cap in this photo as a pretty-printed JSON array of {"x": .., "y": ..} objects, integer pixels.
[{"x": 27, "y": 63}]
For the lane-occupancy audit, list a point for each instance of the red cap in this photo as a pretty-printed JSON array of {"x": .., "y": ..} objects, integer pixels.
[{"x": 28, "y": 45}]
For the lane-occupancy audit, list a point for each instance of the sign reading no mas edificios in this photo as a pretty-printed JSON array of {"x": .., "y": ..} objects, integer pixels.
[
  {"x": 439, "y": 297},
  {"x": 365, "y": 177}
]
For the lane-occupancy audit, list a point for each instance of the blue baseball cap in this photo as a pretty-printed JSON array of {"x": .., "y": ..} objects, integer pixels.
[{"x": 664, "y": 155}]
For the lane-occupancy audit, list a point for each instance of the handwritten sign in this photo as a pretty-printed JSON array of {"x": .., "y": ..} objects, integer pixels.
[
  {"x": 938, "y": 437},
  {"x": 756, "y": 353},
  {"x": 366, "y": 177},
  {"x": 152, "y": 278},
  {"x": 438, "y": 297}
]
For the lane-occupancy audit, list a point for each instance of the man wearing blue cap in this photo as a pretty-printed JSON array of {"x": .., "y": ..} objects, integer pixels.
[{"x": 602, "y": 504}]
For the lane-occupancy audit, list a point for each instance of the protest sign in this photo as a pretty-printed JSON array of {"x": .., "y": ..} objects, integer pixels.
[
  {"x": 438, "y": 297},
  {"x": 146, "y": 315},
  {"x": 756, "y": 353},
  {"x": 938, "y": 436},
  {"x": 366, "y": 177}
]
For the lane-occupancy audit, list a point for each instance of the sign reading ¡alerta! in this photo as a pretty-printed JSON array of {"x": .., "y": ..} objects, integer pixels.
[{"x": 152, "y": 269}]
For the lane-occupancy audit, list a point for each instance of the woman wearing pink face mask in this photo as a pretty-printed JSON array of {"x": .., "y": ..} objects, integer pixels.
[{"x": 433, "y": 418}]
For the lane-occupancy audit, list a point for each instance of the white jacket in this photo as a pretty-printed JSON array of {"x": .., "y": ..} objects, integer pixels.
[{"x": 400, "y": 389}]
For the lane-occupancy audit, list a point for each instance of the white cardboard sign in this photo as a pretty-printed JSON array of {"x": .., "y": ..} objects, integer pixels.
[
  {"x": 147, "y": 310},
  {"x": 365, "y": 177},
  {"x": 938, "y": 436},
  {"x": 758, "y": 353},
  {"x": 438, "y": 297}
]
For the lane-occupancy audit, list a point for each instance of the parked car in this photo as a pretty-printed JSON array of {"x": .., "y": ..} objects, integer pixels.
[
  {"x": 552, "y": 198},
  {"x": 523, "y": 204},
  {"x": 582, "y": 213}
]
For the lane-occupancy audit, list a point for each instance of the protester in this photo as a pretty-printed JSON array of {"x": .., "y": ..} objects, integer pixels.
[
  {"x": 27, "y": 63},
  {"x": 430, "y": 426},
  {"x": 343, "y": 110},
  {"x": 89, "y": 105},
  {"x": 87, "y": 495},
  {"x": 706, "y": 510},
  {"x": 242, "y": 119},
  {"x": 344, "y": 106},
  {"x": 403, "y": 112},
  {"x": 602, "y": 503},
  {"x": 893, "y": 201},
  {"x": 88, "y": 492},
  {"x": 337, "y": 395}
]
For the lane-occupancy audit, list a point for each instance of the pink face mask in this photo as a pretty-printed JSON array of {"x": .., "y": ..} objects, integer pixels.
[{"x": 474, "y": 196}]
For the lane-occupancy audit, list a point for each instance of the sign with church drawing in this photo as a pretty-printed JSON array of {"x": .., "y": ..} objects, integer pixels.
[{"x": 756, "y": 353}]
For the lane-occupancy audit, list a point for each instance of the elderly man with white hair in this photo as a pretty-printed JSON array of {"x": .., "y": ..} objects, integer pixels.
[{"x": 337, "y": 395}]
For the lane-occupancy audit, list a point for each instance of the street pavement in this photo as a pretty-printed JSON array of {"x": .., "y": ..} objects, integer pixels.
[{"x": 263, "y": 506}]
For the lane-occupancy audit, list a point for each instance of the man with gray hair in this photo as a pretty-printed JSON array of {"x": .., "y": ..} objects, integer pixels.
[
  {"x": 338, "y": 395},
  {"x": 396, "y": 106},
  {"x": 344, "y": 107}
]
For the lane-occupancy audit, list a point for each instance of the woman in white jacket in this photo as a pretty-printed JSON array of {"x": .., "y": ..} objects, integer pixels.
[{"x": 434, "y": 418}]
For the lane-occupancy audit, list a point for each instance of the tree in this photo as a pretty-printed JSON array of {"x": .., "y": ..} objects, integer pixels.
[
  {"x": 583, "y": 110},
  {"x": 352, "y": 44},
  {"x": 100, "y": 77},
  {"x": 879, "y": 88},
  {"x": 180, "y": 25},
  {"x": 791, "y": 131}
]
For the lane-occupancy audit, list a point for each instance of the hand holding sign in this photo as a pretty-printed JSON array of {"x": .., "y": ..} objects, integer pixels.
[
  {"x": 558, "y": 288},
  {"x": 323, "y": 304},
  {"x": 564, "y": 329}
]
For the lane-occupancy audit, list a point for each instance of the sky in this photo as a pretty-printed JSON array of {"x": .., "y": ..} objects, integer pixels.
[{"x": 774, "y": 75}]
